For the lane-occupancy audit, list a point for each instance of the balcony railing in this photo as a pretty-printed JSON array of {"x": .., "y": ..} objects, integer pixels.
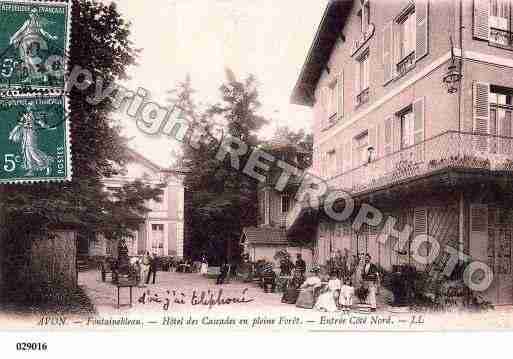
[
  {"x": 406, "y": 64},
  {"x": 501, "y": 37},
  {"x": 450, "y": 150},
  {"x": 362, "y": 97}
]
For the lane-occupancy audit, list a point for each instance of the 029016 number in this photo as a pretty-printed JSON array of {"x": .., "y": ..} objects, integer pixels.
[{"x": 23, "y": 346}]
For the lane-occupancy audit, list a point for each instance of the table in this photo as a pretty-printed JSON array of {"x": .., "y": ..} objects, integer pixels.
[{"x": 128, "y": 284}]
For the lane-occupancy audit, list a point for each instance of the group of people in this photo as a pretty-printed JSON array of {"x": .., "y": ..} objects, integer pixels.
[
  {"x": 339, "y": 291},
  {"x": 145, "y": 268}
]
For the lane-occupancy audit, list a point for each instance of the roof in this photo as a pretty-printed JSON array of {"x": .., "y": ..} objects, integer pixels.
[
  {"x": 329, "y": 30},
  {"x": 265, "y": 235},
  {"x": 139, "y": 157}
]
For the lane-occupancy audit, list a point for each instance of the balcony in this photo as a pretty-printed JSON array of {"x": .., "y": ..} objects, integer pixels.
[
  {"x": 362, "y": 97},
  {"x": 448, "y": 151},
  {"x": 501, "y": 37},
  {"x": 406, "y": 64}
]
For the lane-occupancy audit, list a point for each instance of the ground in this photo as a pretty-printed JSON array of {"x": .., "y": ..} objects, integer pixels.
[
  {"x": 174, "y": 302},
  {"x": 262, "y": 310}
]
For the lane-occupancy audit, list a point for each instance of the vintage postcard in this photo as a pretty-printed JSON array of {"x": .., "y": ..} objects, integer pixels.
[{"x": 296, "y": 166}]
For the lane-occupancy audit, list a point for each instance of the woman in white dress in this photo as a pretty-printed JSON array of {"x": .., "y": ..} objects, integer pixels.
[
  {"x": 328, "y": 300},
  {"x": 145, "y": 266},
  {"x": 204, "y": 265},
  {"x": 346, "y": 295}
]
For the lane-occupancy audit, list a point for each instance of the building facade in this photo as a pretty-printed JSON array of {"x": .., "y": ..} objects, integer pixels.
[
  {"x": 163, "y": 229},
  {"x": 270, "y": 236},
  {"x": 388, "y": 131}
]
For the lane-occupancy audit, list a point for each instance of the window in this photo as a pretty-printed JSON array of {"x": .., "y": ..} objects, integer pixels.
[
  {"x": 500, "y": 22},
  {"x": 362, "y": 79},
  {"x": 406, "y": 40},
  {"x": 364, "y": 15},
  {"x": 157, "y": 236},
  {"x": 285, "y": 203},
  {"x": 501, "y": 111},
  {"x": 332, "y": 100},
  {"x": 406, "y": 37},
  {"x": 361, "y": 146},
  {"x": 407, "y": 128}
]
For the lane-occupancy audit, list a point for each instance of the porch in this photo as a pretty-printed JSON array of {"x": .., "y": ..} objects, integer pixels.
[{"x": 450, "y": 158}]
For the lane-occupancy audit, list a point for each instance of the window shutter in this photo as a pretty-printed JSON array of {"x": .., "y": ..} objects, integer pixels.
[
  {"x": 505, "y": 128},
  {"x": 356, "y": 80},
  {"x": 388, "y": 136},
  {"x": 379, "y": 140},
  {"x": 387, "y": 52},
  {"x": 481, "y": 114},
  {"x": 418, "y": 126},
  {"x": 340, "y": 158},
  {"x": 340, "y": 95},
  {"x": 481, "y": 19},
  {"x": 372, "y": 140},
  {"x": 479, "y": 232},
  {"x": 422, "y": 40},
  {"x": 347, "y": 156},
  {"x": 420, "y": 227}
]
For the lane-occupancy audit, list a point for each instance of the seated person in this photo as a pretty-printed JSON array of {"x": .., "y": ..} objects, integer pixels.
[
  {"x": 292, "y": 291},
  {"x": 328, "y": 300},
  {"x": 268, "y": 276},
  {"x": 308, "y": 290},
  {"x": 223, "y": 272}
]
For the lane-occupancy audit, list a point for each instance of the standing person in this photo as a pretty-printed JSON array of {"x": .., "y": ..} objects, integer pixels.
[
  {"x": 300, "y": 265},
  {"x": 204, "y": 265},
  {"x": 358, "y": 270},
  {"x": 370, "y": 276},
  {"x": 138, "y": 269},
  {"x": 145, "y": 265},
  {"x": 153, "y": 268},
  {"x": 222, "y": 273}
]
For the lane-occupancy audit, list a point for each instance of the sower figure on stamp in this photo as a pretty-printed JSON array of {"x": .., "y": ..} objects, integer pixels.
[
  {"x": 30, "y": 40},
  {"x": 25, "y": 133},
  {"x": 370, "y": 276}
]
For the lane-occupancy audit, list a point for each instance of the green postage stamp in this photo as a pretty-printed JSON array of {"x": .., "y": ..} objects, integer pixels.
[
  {"x": 34, "y": 40},
  {"x": 34, "y": 139}
]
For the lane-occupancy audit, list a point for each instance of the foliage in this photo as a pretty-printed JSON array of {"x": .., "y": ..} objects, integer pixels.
[
  {"x": 222, "y": 199},
  {"x": 100, "y": 44}
]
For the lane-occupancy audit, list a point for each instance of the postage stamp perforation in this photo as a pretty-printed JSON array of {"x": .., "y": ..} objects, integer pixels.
[
  {"x": 60, "y": 55},
  {"x": 37, "y": 144}
]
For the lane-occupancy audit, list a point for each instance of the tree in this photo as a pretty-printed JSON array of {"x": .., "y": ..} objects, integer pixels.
[
  {"x": 100, "y": 44},
  {"x": 222, "y": 199}
]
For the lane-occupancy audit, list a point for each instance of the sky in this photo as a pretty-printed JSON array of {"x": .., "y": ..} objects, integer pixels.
[{"x": 267, "y": 38}]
